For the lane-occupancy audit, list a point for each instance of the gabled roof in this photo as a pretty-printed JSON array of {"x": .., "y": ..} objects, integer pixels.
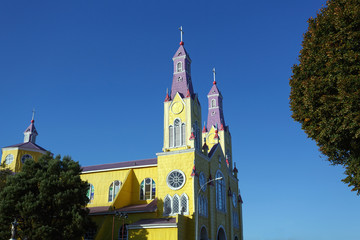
[
  {"x": 110, "y": 166},
  {"x": 28, "y": 145}
]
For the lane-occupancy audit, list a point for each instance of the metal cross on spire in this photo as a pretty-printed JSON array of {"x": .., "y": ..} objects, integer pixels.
[
  {"x": 181, "y": 33},
  {"x": 214, "y": 75},
  {"x": 33, "y": 114}
]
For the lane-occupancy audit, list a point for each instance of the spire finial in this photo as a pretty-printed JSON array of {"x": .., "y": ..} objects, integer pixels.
[
  {"x": 181, "y": 35},
  {"x": 214, "y": 75},
  {"x": 33, "y": 115}
]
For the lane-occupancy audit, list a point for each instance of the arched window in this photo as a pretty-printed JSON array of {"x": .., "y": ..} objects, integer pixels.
[
  {"x": 203, "y": 234},
  {"x": 203, "y": 205},
  {"x": 147, "y": 189},
  {"x": 90, "y": 234},
  {"x": 184, "y": 204},
  {"x": 183, "y": 130},
  {"x": 123, "y": 232},
  {"x": 114, "y": 189},
  {"x": 176, "y": 204},
  {"x": 220, "y": 192},
  {"x": 90, "y": 193},
  {"x": 171, "y": 136},
  {"x": 177, "y": 132},
  {"x": 179, "y": 67},
  {"x": 235, "y": 219},
  {"x": 213, "y": 103},
  {"x": 167, "y": 205}
]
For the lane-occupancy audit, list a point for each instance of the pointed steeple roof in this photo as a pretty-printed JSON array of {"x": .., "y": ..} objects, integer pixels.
[
  {"x": 215, "y": 108},
  {"x": 31, "y": 128},
  {"x": 30, "y": 132},
  {"x": 181, "y": 52},
  {"x": 182, "y": 82}
]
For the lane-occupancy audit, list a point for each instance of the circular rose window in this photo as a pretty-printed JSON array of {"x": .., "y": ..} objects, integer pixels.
[{"x": 175, "y": 179}]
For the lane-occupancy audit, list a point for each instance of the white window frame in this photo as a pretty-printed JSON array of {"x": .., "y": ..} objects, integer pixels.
[
  {"x": 91, "y": 199},
  {"x": 179, "y": 66},
  {"x": 213, "y": 103},
  {"x": 170, "y": 212},
  {"x": 113, "y": 194},
  {"x": 152, "y": 182}
]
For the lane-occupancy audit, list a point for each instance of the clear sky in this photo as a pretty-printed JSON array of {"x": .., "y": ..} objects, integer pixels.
[{"x": 97, "y": 71}]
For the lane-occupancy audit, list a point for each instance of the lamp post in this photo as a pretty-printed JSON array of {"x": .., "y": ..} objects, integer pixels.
[
  {"x": 122, "y": 216},
  {"x": 197, "y": 206}
]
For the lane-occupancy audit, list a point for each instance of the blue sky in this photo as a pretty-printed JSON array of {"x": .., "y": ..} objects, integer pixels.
[{"x": 97, "y": 71}]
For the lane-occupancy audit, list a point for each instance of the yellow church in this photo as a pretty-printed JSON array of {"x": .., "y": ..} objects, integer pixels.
[{"x": 189, "y": 191}]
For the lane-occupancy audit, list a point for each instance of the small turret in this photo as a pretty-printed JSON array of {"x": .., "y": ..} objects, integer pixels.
[{"x": 30, "y": 132}]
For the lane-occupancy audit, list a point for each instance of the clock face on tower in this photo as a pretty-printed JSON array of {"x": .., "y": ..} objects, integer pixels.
[
  {"x": 177, "y": 107},
  {"x": 25, "y": 157}
]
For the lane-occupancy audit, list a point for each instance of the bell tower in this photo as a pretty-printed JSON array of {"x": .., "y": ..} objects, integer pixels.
[
  {"x": 216, "y": 132},
  {"x": 182, "y": 111}
]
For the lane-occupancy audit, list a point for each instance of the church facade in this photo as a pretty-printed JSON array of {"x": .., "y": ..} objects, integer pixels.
[{"x": 189, "y": 191}]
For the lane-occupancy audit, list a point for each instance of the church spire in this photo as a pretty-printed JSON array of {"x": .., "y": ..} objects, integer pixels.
[
  {"x": 182, "y": 72},
  {"x": 215, "y": 110},
  {"x": 30, "y": 132}
]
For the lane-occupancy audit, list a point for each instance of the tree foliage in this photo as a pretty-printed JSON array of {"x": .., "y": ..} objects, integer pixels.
[
  {"x": 47, "y": 198},
  {"x": 325, "y": 86},
  {"x": 4, "y": 173}
]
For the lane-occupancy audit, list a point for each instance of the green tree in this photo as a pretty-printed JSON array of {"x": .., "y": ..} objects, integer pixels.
[
  {"x": 325, "y": 86},
  {"x": 4, "y": 172},
  {"x": 47, "y": 198}
]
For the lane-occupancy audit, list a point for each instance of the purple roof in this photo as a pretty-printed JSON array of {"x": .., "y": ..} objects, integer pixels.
[
  {"x": 28, "y": 145},
  {"x": 155, "y": 221},
  {"x": 147, "y": 207},
  {"x": 106, "y": 166},
  {"x": 182, "y": 80},
  {"x": 181, "y": 52},
  {"x": 215, "y": 113},
  {"x": 31, "y": 128},
  {"x": 150, "y": 207}
]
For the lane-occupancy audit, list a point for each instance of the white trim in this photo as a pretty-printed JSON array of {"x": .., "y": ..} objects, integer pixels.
[
  {"x": 175, "y": 152},
  {"x": 178, "y": 57},
  {"x": 21, "y": 148},
  {"x": 213, "y": 95},
  {"x": 165, "y": 225},
  {"x": 113, "y": 169}
]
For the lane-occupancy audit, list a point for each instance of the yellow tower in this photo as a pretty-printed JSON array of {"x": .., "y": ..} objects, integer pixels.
[{"x": 14, "y": 156}]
